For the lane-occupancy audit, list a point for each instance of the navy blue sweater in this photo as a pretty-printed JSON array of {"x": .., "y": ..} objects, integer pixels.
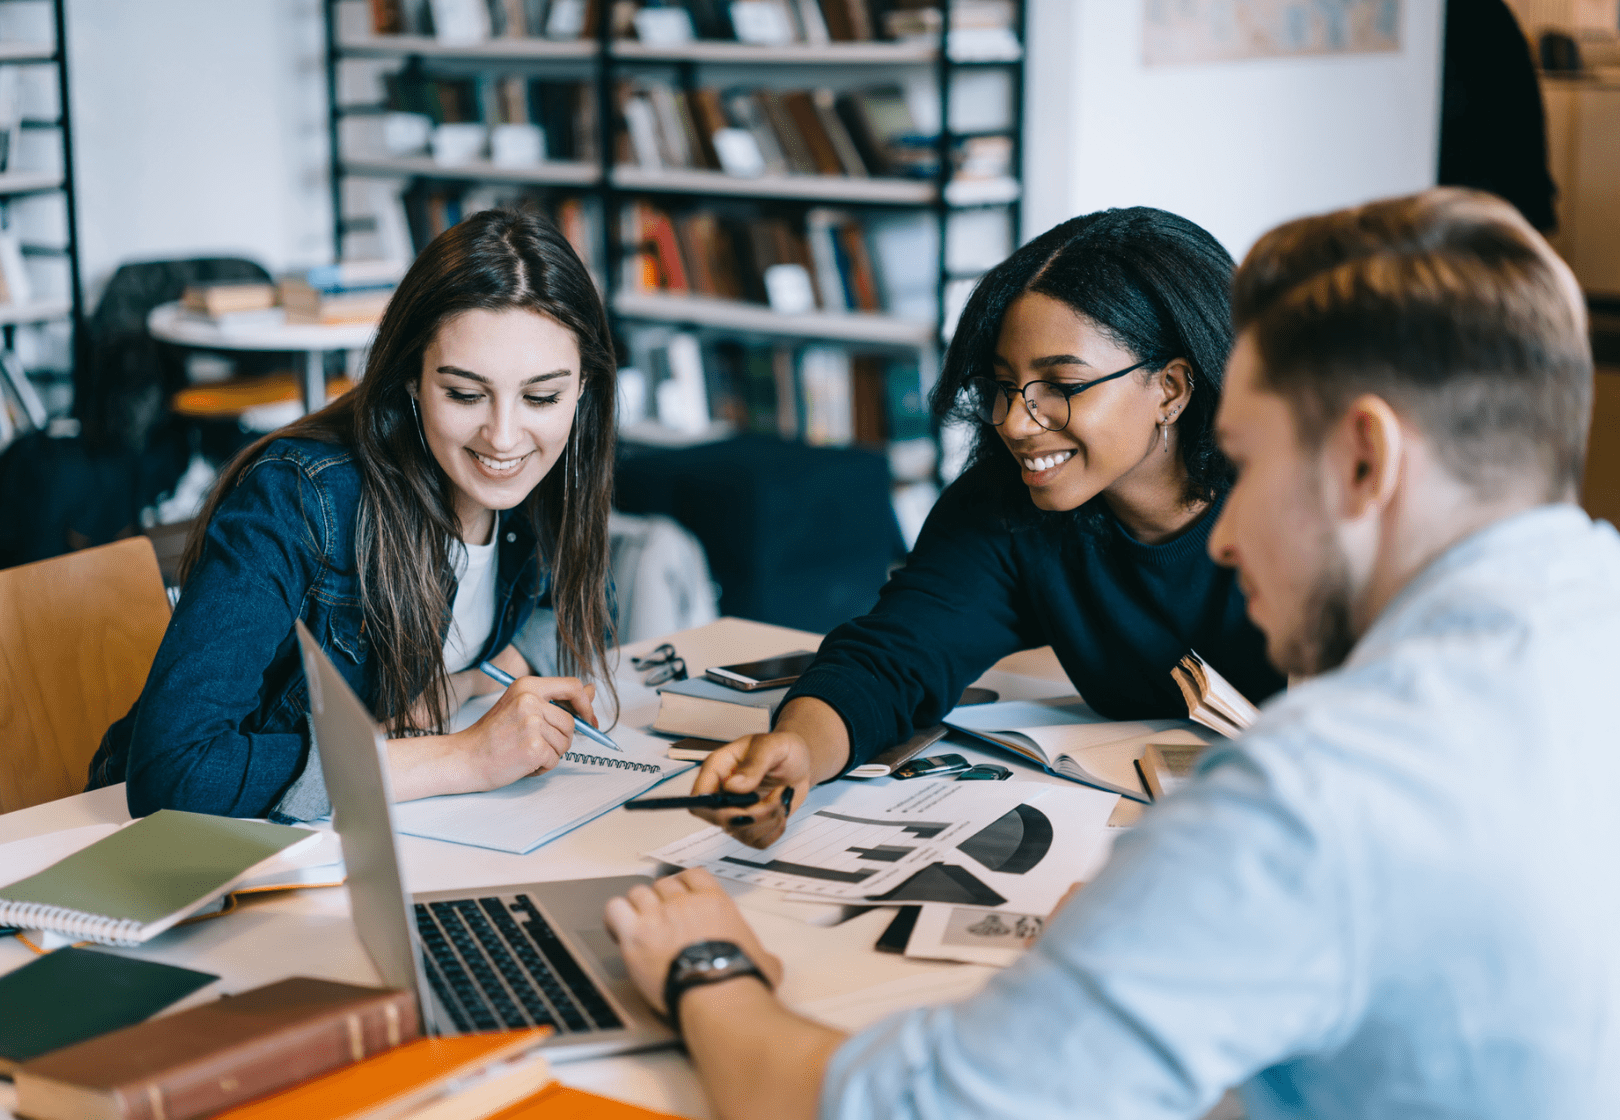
[{"x": 985, "y": 581}]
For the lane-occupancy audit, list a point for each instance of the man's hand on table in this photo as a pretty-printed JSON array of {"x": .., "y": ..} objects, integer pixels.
[
  {"x": 757, "y": 1059},
  {"x": 653, "y": 924}
]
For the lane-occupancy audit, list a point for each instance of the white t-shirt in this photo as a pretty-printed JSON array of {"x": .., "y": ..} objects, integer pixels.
[{"x": 472, "y": 614}]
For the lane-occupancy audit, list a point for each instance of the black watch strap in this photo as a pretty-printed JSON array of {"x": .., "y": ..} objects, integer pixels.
[{"x": 706, "y": 962}]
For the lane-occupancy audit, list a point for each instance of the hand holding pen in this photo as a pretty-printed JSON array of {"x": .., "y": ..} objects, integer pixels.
[{"x": 507, "y": 680}]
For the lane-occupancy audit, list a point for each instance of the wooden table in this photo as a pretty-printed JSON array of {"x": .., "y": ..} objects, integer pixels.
[{"x": 833, "y": 973}]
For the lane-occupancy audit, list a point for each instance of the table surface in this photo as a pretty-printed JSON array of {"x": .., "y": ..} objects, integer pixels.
[
  {"x": 833, "y": 972},
  {"x": 172, "y": 323}
]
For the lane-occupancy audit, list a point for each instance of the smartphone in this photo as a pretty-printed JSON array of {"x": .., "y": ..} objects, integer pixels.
[
  {"x": 940, "y": 766},
  {"x": 985, "y": 772},
  {"x": 771, "y": 672}
]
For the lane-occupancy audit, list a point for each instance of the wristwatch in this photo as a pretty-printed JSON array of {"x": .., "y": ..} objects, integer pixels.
[{"x": 706, "y": 962}]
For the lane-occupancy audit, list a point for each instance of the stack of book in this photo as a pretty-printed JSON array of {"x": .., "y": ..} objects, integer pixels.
[
  {"x": 233, "y": 305},
  {"x": 351, "y": 292}
]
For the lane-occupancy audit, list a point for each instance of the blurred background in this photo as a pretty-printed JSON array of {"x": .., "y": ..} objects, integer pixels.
[{"x": 784, "y": 202}]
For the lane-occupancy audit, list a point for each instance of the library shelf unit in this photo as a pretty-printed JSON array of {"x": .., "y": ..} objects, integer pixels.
[
  {"x": 45, "y": 45},
  {"x": 603, "y": 62}
]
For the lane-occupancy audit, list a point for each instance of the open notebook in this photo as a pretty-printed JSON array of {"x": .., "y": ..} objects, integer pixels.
[
  {"x": 1065, "y": 737},
  {"x": 520, "y": 817}
]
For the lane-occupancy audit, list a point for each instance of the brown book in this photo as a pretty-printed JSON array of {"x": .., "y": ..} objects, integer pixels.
[
  {"x": 710, "y": 117},
  {"x": 695, "y": 232},
  {"x": 802, "y": 109},
  {"x": 862, "y": 281},
  {"x": 787, "y": 392},
  {"x": 386, "y": 17},
  {"x": 671, "y": 266},
  {"x": 826, "y": 103},
  {"x": 836, "y": 16},
  {"x": 869, "y": 397},
  {"x": 795, "y": 150},
  {"x": 209, "y": 1058}
]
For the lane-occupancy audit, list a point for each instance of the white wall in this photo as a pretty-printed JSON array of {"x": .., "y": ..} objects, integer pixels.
[
  {"x": 1235, "y": 146},
  {"x": 199, "y": 128}
]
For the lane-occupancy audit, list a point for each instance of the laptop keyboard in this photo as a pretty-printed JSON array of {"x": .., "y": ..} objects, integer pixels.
[{"x": 496, "y": 963}]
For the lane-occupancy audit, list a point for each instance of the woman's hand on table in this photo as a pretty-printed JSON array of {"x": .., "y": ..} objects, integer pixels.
[
  {"x": 654, "y": 923},
  {"x": 775, "y": 765},
  {"x": 523, "y": 732},
  {"x": 809, "y": 746}
]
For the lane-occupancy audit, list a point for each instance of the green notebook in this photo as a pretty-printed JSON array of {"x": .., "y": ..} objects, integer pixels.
[
  {"x": 131, "y": 886},
  {"x": 74, "y": 994}
]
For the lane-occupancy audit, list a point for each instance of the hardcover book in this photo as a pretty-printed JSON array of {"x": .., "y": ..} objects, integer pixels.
[{"x": 201, "y": 1061}]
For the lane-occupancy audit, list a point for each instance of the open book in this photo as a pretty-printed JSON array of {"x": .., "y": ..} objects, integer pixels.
[
  {"x": 1065, "y": 737},
  {"x": 1211, "y": 699}
]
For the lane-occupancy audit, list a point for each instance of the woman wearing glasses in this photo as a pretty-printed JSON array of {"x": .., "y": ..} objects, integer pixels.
[{"x": 1090, "y": 363}]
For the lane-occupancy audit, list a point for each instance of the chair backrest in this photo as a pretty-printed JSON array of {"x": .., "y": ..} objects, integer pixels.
[{"x": 77, "y": 637}]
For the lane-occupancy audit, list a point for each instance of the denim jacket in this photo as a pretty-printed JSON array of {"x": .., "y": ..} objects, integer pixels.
[{"x": 222, "y": 724}]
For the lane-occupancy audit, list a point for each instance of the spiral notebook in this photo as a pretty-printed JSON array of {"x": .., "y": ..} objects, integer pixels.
[
  {"x": 520, "y": 817},
  {"x": 130, "y": 886}
]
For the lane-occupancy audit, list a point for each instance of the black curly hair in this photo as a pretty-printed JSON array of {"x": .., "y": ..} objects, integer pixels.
[{"x": 1156, "y": 283}]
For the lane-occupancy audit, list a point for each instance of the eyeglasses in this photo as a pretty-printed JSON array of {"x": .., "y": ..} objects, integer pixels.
[
  {"x": 662, "y": 665},
  {"x": 1048, "y": 402}
]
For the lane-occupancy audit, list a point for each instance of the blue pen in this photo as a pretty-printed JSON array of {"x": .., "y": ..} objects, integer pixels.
[{"x": 507, "y": 680}]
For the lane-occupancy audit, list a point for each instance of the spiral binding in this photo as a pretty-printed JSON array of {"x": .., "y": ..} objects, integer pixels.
[
  {"x": 614, "y": 763},
  {"x": 74, "y": 923}
]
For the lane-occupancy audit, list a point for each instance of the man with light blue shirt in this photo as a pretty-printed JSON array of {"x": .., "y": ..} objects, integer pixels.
[{"x": 1397, "y": 894}]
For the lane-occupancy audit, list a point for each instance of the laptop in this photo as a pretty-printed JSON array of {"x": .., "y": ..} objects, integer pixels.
[{"x": 478, "y": 960}]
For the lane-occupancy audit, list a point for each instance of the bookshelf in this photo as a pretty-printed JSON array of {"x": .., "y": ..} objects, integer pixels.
[
  {"x": 41, "y": 312},
  {"x": 930, "y": 198}
]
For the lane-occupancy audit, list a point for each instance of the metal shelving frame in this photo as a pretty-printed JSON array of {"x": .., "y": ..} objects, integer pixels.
[{"x": 612, "y": 184}]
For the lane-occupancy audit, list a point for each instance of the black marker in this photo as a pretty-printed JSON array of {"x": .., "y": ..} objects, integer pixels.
[{"x": 698, "y": 801}]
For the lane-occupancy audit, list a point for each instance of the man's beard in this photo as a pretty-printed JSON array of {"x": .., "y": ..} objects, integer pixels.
[{"x": 1324, "y": 637}]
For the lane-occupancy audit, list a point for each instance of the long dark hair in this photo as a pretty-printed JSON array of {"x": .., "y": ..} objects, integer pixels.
[
  {"x": 496, "y": 260},
  {"x": 1159, "y": 285}
]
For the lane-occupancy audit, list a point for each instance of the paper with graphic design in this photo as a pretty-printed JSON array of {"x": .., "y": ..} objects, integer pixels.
[
  {"x": 973, "y": 936},
  {"x": 987, "y": 844}
]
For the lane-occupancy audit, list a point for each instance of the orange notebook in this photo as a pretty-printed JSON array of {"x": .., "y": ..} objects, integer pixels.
[
  {"x": 559, "y": 1102},
  {"x": 398, "y": 1082}
]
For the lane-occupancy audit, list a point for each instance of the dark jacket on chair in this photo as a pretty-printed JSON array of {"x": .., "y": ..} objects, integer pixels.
[{"x": 222, "y": 724}]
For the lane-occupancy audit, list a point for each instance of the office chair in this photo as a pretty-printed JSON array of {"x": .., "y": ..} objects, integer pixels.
[{"x": 77, "y": 637}]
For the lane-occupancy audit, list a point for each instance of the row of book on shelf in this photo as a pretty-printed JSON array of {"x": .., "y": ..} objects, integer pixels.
[
  {"x": 516, "y": 120},
  {"x": 748, "y": 132},
  {"x": 979, "y": 28},
  {"x": 822, "y": 394},
  {"x": 793, "y": 260}
]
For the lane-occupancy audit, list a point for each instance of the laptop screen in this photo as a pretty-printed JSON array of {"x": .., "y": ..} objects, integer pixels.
[{"x": 353, "y": 757}]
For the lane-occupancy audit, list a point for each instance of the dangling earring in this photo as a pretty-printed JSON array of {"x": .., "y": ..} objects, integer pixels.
[
  {"x": 1164, "y": 430},
  {"x": 420, "y": 434}
]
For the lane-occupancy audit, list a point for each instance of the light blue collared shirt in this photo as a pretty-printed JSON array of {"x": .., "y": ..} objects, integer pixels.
[{"x": 1397, "y": 896}]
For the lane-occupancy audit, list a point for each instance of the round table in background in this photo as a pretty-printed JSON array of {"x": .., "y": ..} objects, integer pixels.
[{"x": 168, "y": 322}]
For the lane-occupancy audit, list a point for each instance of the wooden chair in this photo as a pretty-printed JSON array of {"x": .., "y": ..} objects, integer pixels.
[{"x": 77, "y": 637}]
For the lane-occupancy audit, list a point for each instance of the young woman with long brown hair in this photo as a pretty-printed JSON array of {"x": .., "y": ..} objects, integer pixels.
[{"x": 413, "y": 525}]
